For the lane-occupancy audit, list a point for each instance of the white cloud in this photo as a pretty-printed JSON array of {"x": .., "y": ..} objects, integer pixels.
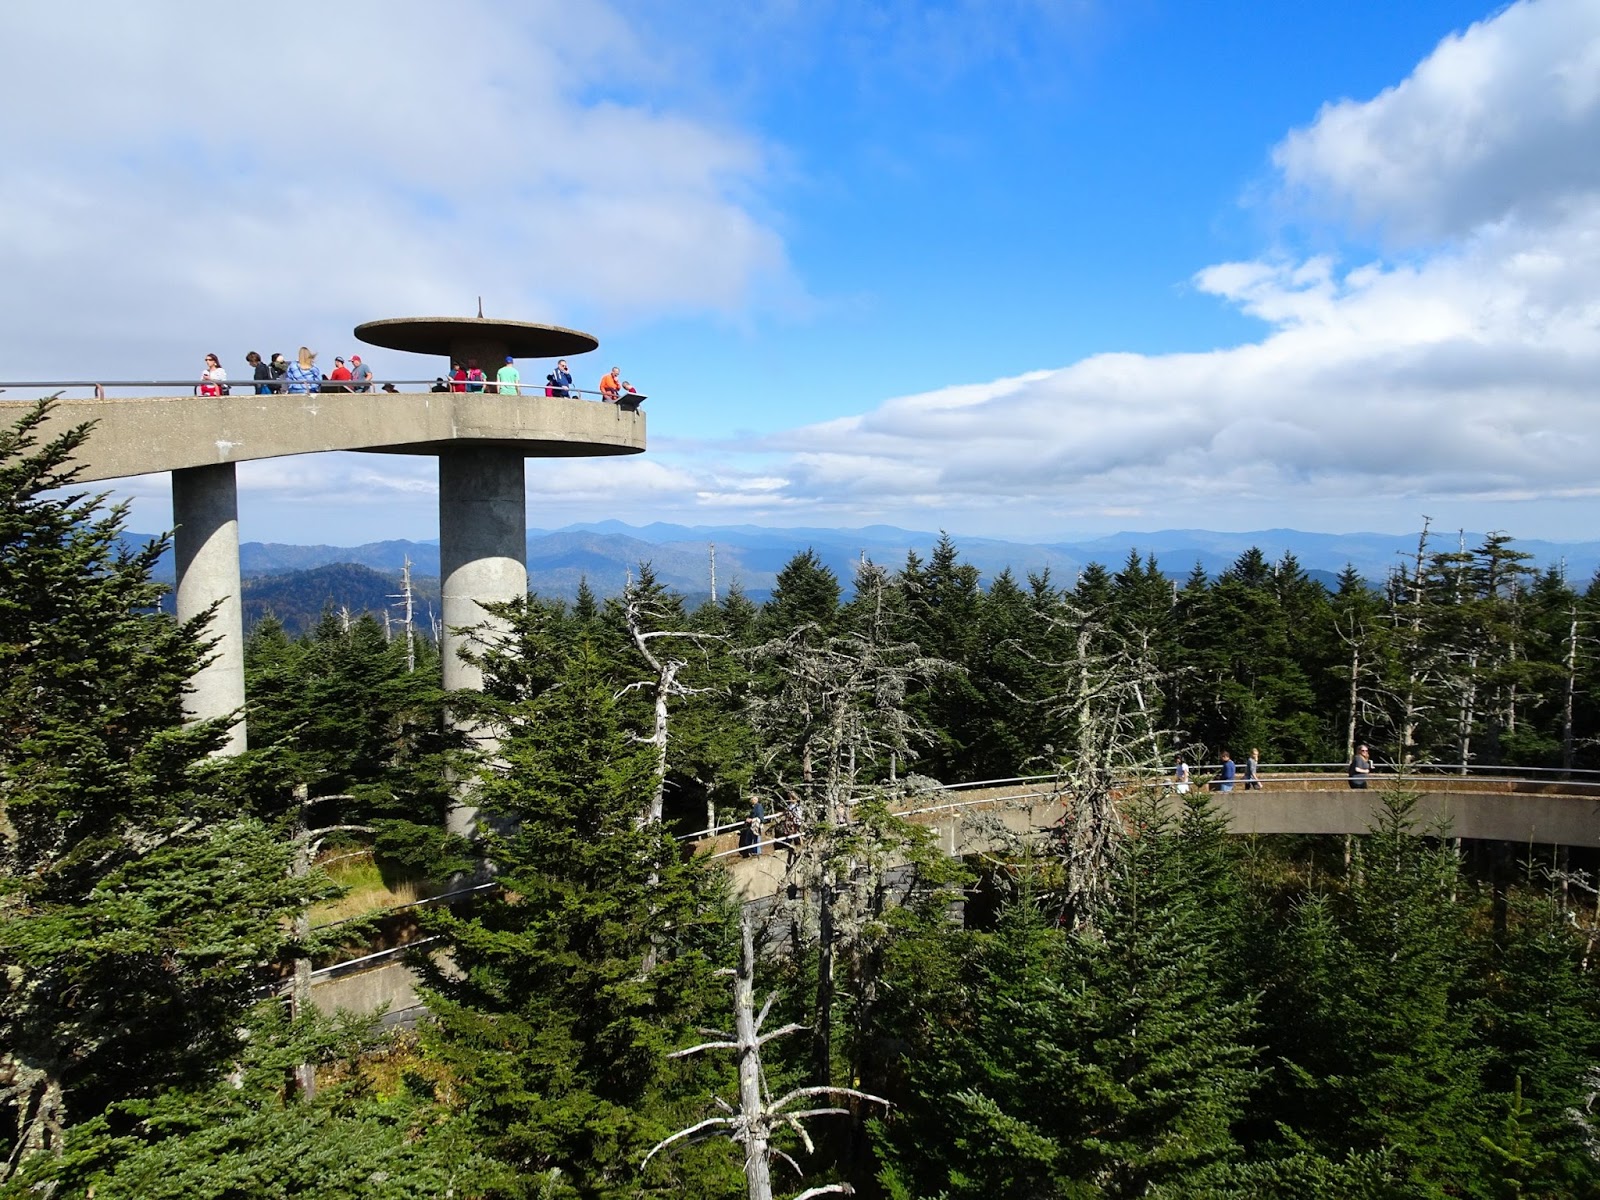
[
  {"x": 1457, "y": 379},
  {"x": 217, "y": 177},
  {"x": 1462, "y": 377},
  {"x": 1500, "y": 121}
]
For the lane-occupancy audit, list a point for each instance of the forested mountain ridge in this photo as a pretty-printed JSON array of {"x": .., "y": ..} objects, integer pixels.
[
  {"x": 602, "y": 553},
  {"x": 298, "y": 599}
]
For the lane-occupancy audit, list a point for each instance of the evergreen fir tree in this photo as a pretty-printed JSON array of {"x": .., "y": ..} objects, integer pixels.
[
  {"x": 139, "y": 902},
  {"x": 1107, "y": 1064},
  {"x": 1372, "y": 1015},
  {"x": 553, "y": 1029},
  {"x": 806, "y": 592}
]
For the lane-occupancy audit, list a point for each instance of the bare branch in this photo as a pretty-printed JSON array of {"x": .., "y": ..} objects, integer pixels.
[
  {"x": 799, "y": 1093},
  {"x": 704, "y": 1046},
  {"x": 784, "y": 1031},
  {"x": 683, "y": 1133},
  {"x": 761, "y": 1017}
]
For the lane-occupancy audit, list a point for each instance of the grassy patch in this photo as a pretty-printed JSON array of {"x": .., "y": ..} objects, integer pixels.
[{"x": 366, "y": 889}]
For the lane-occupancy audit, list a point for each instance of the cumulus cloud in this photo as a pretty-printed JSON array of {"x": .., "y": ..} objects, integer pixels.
[
  {"x": 250, "y": 175},
  {"x": 1499, "y": 122},
  {"x": 1460, "y": 374}
]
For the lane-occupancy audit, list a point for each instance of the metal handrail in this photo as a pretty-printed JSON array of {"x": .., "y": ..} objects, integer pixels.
[
  {"x": 246, "y": 385},
  {"x": 367, "y": 958},
  {"x": 1163, "y": 776},
  {"x": 380, "y": 913}
]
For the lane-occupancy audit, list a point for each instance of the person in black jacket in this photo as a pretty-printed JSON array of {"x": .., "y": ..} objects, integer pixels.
[
  {"x": 263, "y": 373},
  {"x": 277, "y": 369}
]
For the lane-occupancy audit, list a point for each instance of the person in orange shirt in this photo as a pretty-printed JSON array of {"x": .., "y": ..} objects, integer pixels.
[{"x": 611, "y": 386}]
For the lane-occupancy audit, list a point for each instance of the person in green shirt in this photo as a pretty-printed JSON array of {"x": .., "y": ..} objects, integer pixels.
[{"x": 509, "y": 378}]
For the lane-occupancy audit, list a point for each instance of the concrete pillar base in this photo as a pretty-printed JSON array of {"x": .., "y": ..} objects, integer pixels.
[
  {"x": 205, "y": 509},
  {"x": 483, "y": 549}
]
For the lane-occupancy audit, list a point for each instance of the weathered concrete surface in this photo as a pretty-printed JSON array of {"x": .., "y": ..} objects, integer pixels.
[
  {"x": 145, "y": 434},
  {"x": 205, "y": 509},
  {"x": 1547, "y": 814},
  {"x": 486, "y": 339},
  {"x": 1541, "y": 813},
  {"x": 483, "y": 538},
  {"x": 392, "y": 983}
]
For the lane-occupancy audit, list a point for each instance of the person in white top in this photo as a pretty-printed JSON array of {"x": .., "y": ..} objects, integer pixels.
[
  {"x": 214, "y": 379},
  {"x": 1180, "y": 776}
]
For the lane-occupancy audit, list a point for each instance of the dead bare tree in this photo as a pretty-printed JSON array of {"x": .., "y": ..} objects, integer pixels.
[
  {"x": 642, "y": 607},
  {"x": 1411, "y": 695},
  {"x": 1575, "y": 643},
  {"x": 1109, "y": 741},
  {"x": 758, "y": 1117},
  {"x": 837, "y": 705},
  {"x": 405, "y": 598}
]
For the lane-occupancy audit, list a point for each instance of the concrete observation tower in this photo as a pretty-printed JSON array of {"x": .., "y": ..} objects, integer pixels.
[
  {"x": 483, "y": 512},
  {"x": 481, "y": 440}
]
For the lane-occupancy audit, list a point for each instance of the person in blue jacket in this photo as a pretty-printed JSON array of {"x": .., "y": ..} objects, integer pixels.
[{"x": 1226, "y": 775}]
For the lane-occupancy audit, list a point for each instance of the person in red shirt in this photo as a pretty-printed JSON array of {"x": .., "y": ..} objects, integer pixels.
[
  {"x": 458, "y": 378},
  {"x": 339, "y": 375}
]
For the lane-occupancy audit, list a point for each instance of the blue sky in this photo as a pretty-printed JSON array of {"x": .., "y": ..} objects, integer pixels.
[{"x": 1011, "y": 268}]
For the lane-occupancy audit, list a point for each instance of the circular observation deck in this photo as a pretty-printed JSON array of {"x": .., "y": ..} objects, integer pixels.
[{"x": 485, "y": 339}]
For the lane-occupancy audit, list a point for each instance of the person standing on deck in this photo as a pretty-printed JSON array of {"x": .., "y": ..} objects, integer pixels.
[
  {"x": 1226, "y": 775},
  {"x": 1252, "y": 782},
  {"x": 213, "y": 378},
  {"x": 262, "y": 373},
  {"x": 1360, "y": 768},
  {"x": 339, "y": 375},
  {"x": 304, "y": 376},
  {"x": 509, "y": 378}
]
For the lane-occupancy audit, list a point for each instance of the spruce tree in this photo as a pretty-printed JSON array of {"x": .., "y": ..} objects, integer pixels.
[
  {"x": 806, "y": 592},
  {"x": 1108, "y": 1063},
  {"x": 567, "y": 987},
  {"x": 1372, "y": 1017},
  {"x": 139, "y": 902}
]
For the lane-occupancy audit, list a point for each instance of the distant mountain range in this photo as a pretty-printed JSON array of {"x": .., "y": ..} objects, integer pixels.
[{"x": 604, "y": 552}]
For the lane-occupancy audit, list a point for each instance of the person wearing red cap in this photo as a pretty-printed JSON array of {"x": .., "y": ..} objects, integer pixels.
[{"x": 360, "y": 374}]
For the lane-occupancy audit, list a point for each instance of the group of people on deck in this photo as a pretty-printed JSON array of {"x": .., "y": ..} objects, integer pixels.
[
  {"x": 1228, "y": 772},
  {"x": 276, "y": 375},
  {"x": 470, "y": 377},
  {"x": 785, "y": 828}
]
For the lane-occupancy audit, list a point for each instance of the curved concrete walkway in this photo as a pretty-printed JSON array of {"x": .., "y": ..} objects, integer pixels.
[
  {"x": 1526, "y": 811},
  {"x": 481, "y": 440},
  {"x": 139, "y": 435},
  {"x": 964, "y": 821}
]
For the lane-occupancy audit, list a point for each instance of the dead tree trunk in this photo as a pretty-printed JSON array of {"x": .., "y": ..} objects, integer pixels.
[
  {"x": 1410, "y": 712},
  {"x": 32, "y": 1085},
  {"x": 1570, "y": 691},
  {"x": 753, "y": 1123}
]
